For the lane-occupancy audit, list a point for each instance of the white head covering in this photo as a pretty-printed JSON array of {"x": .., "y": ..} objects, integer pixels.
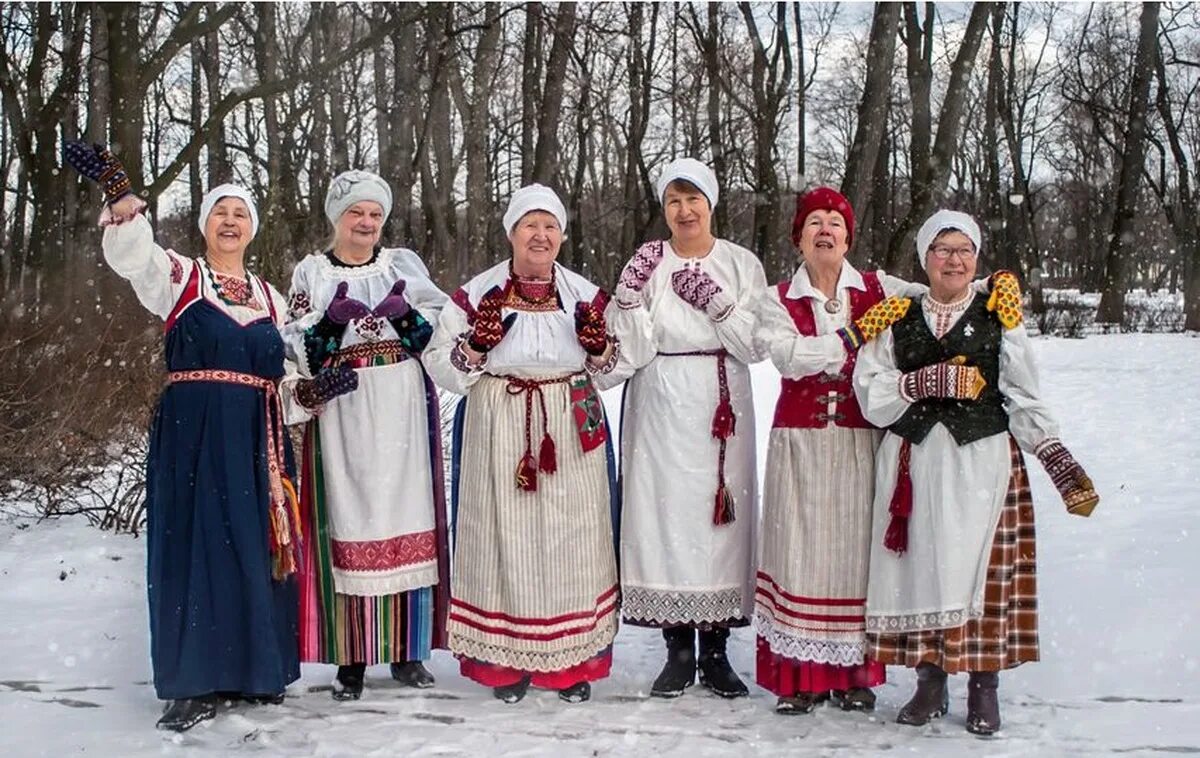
[
  {"x": 942, "y": 221},
  {"x": 691, "y": 170},
  {"x": 534, "y": 197},
  {"x": 227, "y": 190},
  {"x": 354, "y": 186}
]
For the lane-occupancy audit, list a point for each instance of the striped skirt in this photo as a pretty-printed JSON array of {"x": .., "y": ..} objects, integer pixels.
[
  {"x": 1007, "y": 634},
  {"x": 534, "y": 586},
  {"x": 346, "y": 629}
]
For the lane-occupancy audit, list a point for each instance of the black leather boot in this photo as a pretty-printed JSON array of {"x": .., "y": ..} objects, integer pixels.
[
  {"x": 855, "y": 699},
  {"x": 412, "y": 674},
  {"x": 801, "y": 702},
  {"x": 931, "y": 699},
  {"x": 349, "y": 682},
  {"x": 715, "y": 671},
  {"x": 679, "y": 672},
  {"x": 512, "y": 693},
  {"x": 181, "y": 715},
  {"x": 983, "y": 703},
  {"x": 579, "y": 692}
]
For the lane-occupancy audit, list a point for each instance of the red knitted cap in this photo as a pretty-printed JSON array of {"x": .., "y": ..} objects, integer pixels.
[{"x": 822, "y": 199}]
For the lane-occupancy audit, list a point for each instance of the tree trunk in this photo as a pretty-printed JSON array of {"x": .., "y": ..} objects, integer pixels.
[
  {"x": 1121, "y": 243},
  {"x": 545, "y": 158},
  {"x": 531, "y": 77},
  {"x": 873, "y": 108}
]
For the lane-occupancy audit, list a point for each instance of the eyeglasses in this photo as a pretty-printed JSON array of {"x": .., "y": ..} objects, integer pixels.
[{"x": 942, "y": 252}]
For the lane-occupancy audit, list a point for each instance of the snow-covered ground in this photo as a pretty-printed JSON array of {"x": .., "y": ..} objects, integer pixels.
[{"x": 1120, "y": 600}]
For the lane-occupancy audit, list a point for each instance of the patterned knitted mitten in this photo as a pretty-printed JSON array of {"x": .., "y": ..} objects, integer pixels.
[
  {"x": 489, "y": 328},
  {"x": 641, "y": 266},
  {"x": 1071, "y": 481},
  {"x": 942, "y": 380},
  {"x": 877, "y": 318},
  {"x": 97, "y": 163},
  {"x": 1005, "y": 298},
  {"x": 325, "y": 386},
  {"x": 696, "y": 288},
  {"x": 590, "y": 328}
]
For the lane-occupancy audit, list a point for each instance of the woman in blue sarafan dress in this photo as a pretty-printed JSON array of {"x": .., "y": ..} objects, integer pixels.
[{"x": 221, "y": 535}]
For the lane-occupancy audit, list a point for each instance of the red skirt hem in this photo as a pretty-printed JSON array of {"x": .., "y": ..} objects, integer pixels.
[
  {"x": 493, "y": 675},
  {"x": 786, "y": 676}
]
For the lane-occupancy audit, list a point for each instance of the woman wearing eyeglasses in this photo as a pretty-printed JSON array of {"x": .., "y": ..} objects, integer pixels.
[{"x": 952, "y": 583}]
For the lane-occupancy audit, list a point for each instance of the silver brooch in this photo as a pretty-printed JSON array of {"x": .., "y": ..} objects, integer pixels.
[
  {"x": 969, "y": 330},
  {"x": 833, "y": 305}
]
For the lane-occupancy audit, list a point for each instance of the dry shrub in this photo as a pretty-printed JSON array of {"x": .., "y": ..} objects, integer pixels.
[{"x": 82, "y": 368}]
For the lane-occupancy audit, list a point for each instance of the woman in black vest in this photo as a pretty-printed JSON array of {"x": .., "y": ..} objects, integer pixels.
[{"x": 952, "y": 579}]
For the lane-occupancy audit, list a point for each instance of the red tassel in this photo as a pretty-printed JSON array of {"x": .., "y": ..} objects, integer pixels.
[
  {"x": 896, "y": 536},
  {"x": 547, "y": 456},
  {"x": 723, "y": 507},
  {"x": 724, "y": 422},
  {"x": 527, "y": 473}
]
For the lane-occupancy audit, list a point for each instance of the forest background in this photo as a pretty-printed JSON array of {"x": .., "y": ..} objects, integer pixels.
[{"x": 1072, "y": 130}]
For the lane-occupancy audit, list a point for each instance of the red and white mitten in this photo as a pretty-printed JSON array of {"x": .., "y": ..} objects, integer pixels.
[
  {"x": 1071, "y": 481},
  {"x": 942, "y": 380}
]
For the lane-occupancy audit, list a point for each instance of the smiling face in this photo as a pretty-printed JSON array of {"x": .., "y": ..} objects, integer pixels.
[
  {"x": 950, "y": 276},
  {"x": 688, "y": 214},
  {"x": 535, "y": 239},
  {"x": 360, "y": 226},
  {"x": 824, "y": 239},
  {"x": 229, "y": 228}
]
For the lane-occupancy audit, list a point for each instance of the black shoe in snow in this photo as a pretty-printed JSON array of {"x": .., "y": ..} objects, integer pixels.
[
  {"x": 983, "y": 703},
  {"x": 930, "y": 701},
  {"x": 412, "y": 674},
  {"x": 512, "y": 693},
  {"x": 580, "y": 692},
  {"x": 181, "y": 715},
  {"x": 801, "y": 702},
  {"x": 679, "y": 672},
  {"x": 855, "y": 699},
  {"x": 715, "y": 672},
  {"x": 348, "y": 684},
  {"x": 276, "y": 699}
]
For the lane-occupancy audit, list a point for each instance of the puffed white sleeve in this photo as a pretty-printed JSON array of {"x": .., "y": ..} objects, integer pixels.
[
  {"x": 895, "y": 286},
  {"x": 877, "y": 382},
  {"x": 422, "y": 293},
  {"x": 302, "y": 317},
  {"x": 443, "y": 357},
  {"x": 293, "y": 411},
  {"x": 737, "y": 326},
  {"x": 633, "y": 329},
  {"x": 1029, "y": 420},
  {"x": 158, "y": 276},
  {"x": 793, "y": 354}
]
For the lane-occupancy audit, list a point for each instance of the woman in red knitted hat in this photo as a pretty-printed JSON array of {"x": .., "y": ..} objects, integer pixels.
[{"x": 812, "y": 576}]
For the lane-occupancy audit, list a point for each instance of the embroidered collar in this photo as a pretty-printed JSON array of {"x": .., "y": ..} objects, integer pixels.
[
  {"x": 802, "y": 286},
  {"x": 940, "y": 309}
]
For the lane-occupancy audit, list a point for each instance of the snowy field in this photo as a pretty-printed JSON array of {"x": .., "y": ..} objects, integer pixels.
[{"x": 1120, "y": 598}]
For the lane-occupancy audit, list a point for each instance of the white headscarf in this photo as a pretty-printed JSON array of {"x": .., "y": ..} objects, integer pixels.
[
  {"x": 227, "y": 190},
  {"x": 690, "y": 170},
  {"x": 534, "y": 197},
  {"x": 350, "y": 187},
  {"x": 943, "y": 221}
]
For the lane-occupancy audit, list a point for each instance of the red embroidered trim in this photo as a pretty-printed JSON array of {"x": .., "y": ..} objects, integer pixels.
[
  {"x": 176, "y": 269},
  {"x": 381, "y": 555}
]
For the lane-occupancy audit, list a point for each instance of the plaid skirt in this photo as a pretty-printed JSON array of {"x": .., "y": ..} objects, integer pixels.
[{"x": 1006, "y": 634}]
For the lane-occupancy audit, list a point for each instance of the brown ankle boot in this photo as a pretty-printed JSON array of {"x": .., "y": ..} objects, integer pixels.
[
  {"x": 931, "y": 699},
  {"x": 983, "y": 703}
]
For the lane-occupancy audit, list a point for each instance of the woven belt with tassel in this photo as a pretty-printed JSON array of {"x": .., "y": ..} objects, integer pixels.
[
  {"x": 284, "y": 510},
  {"x": 724, "y": 425},
  {"x": 547, "y": 460}
]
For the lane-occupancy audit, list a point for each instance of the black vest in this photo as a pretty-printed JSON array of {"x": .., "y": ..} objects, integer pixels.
[{"x": 916, "y": 346}]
